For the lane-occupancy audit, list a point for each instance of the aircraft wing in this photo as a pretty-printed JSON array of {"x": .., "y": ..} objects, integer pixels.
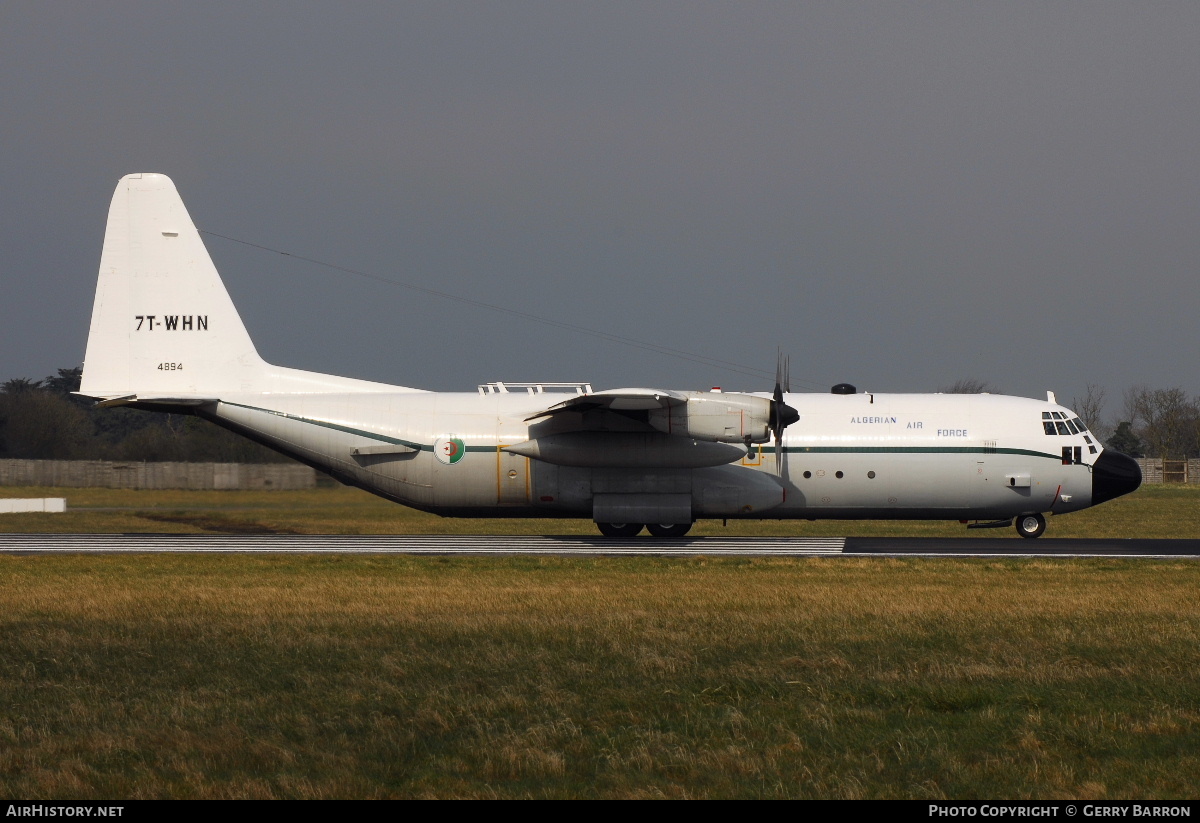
[{"x": 616, "y": 400}]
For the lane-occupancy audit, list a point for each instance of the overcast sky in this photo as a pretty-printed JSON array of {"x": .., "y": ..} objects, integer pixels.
[{"x": 898, "y": 194}]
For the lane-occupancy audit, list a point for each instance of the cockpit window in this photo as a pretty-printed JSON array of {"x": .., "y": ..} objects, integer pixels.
[{"x": 1062, "y": 423}]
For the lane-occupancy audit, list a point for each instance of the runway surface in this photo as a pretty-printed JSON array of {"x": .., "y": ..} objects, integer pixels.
[{"x": 574, "y": 545}]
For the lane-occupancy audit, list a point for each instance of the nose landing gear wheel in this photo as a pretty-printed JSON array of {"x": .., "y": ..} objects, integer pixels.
[
  {"x": 619, "y": 529},
  {"x": 669, "y": 529},
  {"x": 1031, "y": 525}
]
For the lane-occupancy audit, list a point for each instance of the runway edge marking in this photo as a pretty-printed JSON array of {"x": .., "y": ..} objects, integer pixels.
[{"x": 412, "y": 544}]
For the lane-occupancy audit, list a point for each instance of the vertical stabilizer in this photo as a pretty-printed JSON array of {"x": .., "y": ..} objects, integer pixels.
[{"x": 162, "y": 322}]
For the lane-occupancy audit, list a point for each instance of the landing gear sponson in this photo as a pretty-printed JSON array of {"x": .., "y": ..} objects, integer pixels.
[{"x": 633, "y": 529}]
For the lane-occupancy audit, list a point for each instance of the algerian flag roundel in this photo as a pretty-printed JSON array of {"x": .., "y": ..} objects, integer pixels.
[{"x": 449, "y": 449}]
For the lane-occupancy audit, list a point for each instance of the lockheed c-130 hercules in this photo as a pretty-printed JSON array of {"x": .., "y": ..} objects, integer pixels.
[{"x": 165, "y": 336}]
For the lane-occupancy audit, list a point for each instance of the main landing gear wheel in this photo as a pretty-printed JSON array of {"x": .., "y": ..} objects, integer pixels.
[
  {"x": 1031, "y": 525},
  {"x": 669, "y": 529},
  {"x": 619, "y": 529}
]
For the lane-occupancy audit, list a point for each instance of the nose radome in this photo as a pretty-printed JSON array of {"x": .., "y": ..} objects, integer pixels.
[{"x": 1113, "y": 475}]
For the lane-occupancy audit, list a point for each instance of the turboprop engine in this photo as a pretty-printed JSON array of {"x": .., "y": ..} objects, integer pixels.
[
  {"x": 724, "y": 418},
  {"x": 630, "y": 450},
  {"x": 685, "y": 429}
]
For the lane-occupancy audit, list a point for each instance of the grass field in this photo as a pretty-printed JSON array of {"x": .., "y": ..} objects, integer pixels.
[
  {"x": 1152, "y": 511},
  {"x": 389, "y": 676}
]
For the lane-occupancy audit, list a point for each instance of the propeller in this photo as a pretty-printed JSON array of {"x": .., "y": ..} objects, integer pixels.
[{"x": 782, "y": 415}]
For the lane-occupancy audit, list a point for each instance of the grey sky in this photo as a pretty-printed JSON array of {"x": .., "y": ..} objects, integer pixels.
[{"x": 897, "y": 194}]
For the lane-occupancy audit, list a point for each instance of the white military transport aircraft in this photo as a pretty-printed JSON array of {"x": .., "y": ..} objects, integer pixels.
[{"x": 165, "y": 336}]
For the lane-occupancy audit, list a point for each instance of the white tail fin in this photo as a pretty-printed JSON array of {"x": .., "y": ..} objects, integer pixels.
[{"x": 163, "y": 324}]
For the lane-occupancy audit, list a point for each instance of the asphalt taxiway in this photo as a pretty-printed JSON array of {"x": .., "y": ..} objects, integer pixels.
[{"x": 567, "y": 546}]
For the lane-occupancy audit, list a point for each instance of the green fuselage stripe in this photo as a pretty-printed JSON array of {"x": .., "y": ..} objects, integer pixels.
[
  {"x": 909, "y": 450},
  {"x": 383, "y": 438}
]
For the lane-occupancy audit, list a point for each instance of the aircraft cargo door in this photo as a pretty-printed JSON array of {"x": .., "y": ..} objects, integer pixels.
[{"x": 512, "y": 470}]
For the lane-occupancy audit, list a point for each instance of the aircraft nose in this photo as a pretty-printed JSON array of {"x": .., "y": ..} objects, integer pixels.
[{"x": 1113, "y": 475}]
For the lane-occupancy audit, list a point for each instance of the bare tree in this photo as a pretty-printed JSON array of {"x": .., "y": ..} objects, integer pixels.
[
  {"x": 968, "y": 386},
  {"x": 1090, "y": 407},
  {"x": 1130, "y": 400},
  {"x": 1168, "y": 416}
]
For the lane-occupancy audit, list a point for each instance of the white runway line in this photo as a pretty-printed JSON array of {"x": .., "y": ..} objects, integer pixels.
[
  {"x": 413, "y": 544},
  {"x": 567, "y": 546}
]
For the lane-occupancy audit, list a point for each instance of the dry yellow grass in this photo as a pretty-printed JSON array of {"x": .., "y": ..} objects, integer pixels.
[{"x": 422, "y": 677}]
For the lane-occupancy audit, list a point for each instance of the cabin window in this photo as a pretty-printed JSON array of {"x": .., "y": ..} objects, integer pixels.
[{"x": 1049, "y": 427}]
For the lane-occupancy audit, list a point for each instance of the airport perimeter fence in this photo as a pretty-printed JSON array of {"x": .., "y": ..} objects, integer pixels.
[
  {"x": 1157, "y": 470},
  {"x": 108, "y": 474}
]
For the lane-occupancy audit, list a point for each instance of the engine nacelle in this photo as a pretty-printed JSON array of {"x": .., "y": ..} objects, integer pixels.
[
  {"x": 724, "y": 418},
  {"x": 627, "y": 450}
]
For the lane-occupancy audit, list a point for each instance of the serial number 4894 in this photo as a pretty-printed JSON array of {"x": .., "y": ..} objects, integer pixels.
[{"x": 170, "y": 366}]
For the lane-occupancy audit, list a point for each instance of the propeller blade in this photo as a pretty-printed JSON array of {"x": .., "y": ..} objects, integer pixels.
[{"x": 782, "y": 415}]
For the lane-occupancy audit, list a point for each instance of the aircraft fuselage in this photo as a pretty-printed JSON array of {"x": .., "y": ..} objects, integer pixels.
[{"x": 848, "y": 456}]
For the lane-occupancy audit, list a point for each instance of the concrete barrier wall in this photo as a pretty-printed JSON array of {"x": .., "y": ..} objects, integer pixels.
[
  {"x": 10, "y": 505},
  {"x": 131, "y": 475}
]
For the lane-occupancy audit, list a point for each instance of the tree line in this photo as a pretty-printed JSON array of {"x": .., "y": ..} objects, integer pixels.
[{"x": 43, "y": 420}]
